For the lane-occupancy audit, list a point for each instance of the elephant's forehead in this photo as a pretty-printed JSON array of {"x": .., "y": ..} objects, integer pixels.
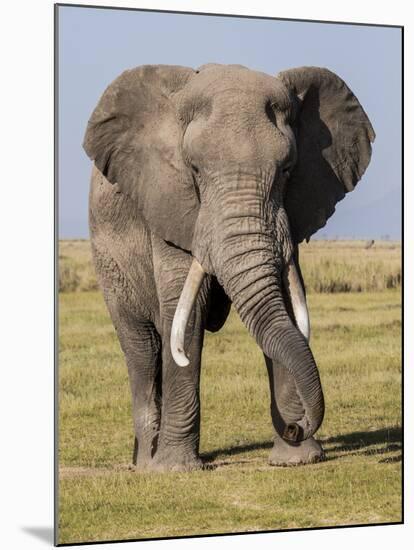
[{"x": 218, "y": 79}]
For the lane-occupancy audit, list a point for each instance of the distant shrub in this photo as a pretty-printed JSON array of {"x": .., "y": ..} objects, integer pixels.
[
  {"x": 76, "y": 272},
  {"x": 68, "y": 277}
]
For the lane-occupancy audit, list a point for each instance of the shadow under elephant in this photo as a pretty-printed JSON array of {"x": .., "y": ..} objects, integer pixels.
[{"x": 379, "y": 443}]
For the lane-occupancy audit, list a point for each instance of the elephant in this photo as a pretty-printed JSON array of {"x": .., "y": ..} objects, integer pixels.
[{"x": 204, "y": 183}]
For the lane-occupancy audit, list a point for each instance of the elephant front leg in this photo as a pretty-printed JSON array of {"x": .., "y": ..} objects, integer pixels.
[
  {"x": 286, "y": 409},
  {"x": 179, "y": 436}
]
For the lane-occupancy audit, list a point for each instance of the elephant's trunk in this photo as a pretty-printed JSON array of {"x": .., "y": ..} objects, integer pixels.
[
  {"x": 254, "y": 284},
  {"x": 250, "y": 254}
]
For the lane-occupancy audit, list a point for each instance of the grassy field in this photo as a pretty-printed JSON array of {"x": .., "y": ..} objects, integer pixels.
[{"x": 356, "y": 340}]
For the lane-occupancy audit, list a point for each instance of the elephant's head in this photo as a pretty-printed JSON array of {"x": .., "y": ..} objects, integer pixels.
[{"x": 237, "y": 167}]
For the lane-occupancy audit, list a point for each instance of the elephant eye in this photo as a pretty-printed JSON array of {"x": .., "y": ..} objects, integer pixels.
[
  {"x": 287, "y": 170},
  {"x": 270, "y": 113}
]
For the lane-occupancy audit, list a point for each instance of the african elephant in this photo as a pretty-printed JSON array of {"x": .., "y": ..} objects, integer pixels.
[{"x": 204, "y": 183}]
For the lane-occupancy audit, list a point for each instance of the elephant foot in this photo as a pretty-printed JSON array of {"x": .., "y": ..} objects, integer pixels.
[
  {"x": 288, "y": 454},
  {"x": 143, "y": 465},
  {"x": 175, "y": 461}
]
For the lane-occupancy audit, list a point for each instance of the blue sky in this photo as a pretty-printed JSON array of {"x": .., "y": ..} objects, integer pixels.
[{"x": 96, "y": 45}]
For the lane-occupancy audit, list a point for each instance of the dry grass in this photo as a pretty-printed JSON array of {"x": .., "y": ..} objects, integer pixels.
[
  {"x": 348, "y": 266},
  {"x": 76, "y": 272},
  {"x": 327, "y": 266}
]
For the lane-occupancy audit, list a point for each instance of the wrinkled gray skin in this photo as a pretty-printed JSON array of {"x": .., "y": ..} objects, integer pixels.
[{"x": 232, "y": 167}]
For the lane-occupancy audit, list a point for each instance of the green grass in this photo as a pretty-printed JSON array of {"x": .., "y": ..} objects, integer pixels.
[{"x": 356, "y": 340}]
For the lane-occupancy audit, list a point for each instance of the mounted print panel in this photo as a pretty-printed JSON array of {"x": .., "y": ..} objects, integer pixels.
[{"x": 229, "y": 297}]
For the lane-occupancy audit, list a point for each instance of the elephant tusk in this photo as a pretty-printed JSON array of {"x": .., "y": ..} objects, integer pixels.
[
  {"x": 296, "y": 293},
  {"x": 182, "y": 313}
]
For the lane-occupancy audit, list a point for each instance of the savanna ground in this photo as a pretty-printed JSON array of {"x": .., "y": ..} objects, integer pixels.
[{"x": 355, "y": 307}]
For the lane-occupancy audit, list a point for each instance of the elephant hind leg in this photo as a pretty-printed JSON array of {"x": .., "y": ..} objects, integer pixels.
[
  {"x": 142, "y": 349},
  {"x": 144, "y": 369},
  {"x": 141, "y": 345},
  {"x": 148, "y": 446}
]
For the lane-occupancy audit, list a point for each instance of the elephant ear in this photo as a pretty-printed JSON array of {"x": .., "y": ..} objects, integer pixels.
[
  {"x": 334, "y": 138},
  {"x": 134, "y": 137}
]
